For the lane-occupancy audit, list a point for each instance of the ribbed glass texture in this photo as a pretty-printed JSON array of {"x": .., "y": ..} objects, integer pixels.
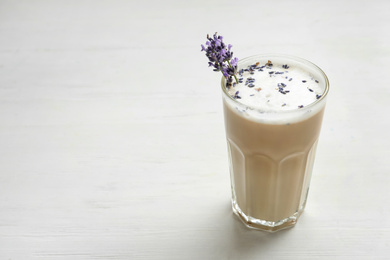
[{"x": 267, "y": 193}]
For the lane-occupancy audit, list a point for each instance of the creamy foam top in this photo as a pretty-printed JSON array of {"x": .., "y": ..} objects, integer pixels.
[{"x": 273, "y": 86}]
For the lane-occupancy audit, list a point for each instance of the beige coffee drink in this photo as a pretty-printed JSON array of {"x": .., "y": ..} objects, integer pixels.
[{"x": 273, "y": 118}]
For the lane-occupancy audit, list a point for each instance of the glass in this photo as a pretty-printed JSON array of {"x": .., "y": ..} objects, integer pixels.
[{"x": 271, "y": 154}]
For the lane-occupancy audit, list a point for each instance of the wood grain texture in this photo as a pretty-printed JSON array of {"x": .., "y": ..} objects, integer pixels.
[{"x": 112, "y": 140}]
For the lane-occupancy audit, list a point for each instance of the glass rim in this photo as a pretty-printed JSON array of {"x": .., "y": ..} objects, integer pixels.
[{"x": 290, "y": 57}]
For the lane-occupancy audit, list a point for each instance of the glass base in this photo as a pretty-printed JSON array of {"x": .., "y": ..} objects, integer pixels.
[{"x": 269, "y": 226}]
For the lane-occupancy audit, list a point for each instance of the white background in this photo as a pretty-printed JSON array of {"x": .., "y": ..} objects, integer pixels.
[{"x": 112, "y": 141}]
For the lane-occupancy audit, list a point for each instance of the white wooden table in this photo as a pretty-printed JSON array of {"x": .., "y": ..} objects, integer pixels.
[{"x": 112, "y": 140}]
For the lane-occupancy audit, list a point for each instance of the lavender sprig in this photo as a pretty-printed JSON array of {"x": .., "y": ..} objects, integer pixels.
[{"x": 220, "y": 57}]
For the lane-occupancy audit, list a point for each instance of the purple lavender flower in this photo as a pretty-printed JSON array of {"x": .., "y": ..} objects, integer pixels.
[
  {"x": 220, "y": 57},
  {"x": 234, "y": 62}
]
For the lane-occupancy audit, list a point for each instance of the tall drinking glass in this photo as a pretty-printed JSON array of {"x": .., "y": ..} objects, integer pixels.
[{"x": 271, "y": 153}]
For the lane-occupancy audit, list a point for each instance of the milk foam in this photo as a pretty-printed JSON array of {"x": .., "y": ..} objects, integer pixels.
[
  {"x": 271, "y": 86},
  {"x": 277, "y": 89}
]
